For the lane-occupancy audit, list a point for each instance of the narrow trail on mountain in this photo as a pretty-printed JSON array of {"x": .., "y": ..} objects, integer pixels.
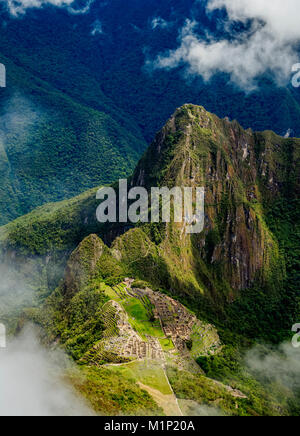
[{"x": 169, "y": 403}]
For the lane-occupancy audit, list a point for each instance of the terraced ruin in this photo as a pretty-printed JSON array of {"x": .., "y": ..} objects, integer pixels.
[{"x": 145, "y": 325}]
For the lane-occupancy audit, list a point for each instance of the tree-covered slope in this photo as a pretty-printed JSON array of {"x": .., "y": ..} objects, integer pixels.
[{"x": 53, "y": 147}]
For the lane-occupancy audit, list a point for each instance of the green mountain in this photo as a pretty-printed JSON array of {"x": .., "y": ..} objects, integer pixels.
[
  {"x": 205, "y": 297},
  {"x": 251, "y": 234},
  {"x": 53, "y": 147},
  {"x": 251, "y": 182}
]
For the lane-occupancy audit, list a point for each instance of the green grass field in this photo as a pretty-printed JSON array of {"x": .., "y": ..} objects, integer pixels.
[
  {"x": 166, "y": 344},
  {"x": 111, "y": 392},
  {"x": 137, "y": 314},
  {"x": 149, "y": 373},
  {"x": 139, "y": 319},
  {"x": 110, "y": 293}
]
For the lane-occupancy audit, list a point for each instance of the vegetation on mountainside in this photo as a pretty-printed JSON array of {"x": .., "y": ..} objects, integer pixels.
[
  {"x": 206, "y": 392},
  {"x": 53, "y": 227},
  {"x": 52, "y": 147},
  {"x": 271, "y": 315},
  {"x": 78, "y": 324},
  {"x": 111, "y": 392},
  {"x": 268, "y": 391}
]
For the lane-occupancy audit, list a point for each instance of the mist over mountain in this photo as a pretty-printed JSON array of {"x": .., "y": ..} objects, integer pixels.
[{"x": 31, "y": 380}]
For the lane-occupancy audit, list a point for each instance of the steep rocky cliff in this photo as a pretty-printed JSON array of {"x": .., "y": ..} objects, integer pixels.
[{"x": 243, "y": 173}]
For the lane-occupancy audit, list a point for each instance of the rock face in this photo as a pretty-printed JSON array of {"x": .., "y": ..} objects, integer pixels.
[{"x": 241, "y": 172}]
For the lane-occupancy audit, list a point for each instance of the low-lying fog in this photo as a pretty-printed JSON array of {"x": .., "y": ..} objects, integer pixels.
[{"x": 31, "y": 381}]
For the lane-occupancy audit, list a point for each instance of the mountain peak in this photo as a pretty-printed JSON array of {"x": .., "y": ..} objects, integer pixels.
[{"x": 238, "y": 171}]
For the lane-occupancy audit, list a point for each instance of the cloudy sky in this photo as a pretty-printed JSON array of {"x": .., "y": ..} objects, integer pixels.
[{"x": 269, "y": 43}]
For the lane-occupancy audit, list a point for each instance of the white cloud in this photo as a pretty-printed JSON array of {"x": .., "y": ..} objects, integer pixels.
[
  {"x": 83, "y": 10},
  {"x": 281, "y": 16},
  {"x": 19, "y": 7},
  {"x": 269, "y": 45},
  {"x": 159, "y": 22},
  {"x": 280, "y": 365},
  {"x": 97, "y": 28},
  {"x": 32, "y": 384}
]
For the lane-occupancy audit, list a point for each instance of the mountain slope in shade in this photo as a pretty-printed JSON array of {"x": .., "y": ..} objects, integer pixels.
[{"x": 52, "y": 147}]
